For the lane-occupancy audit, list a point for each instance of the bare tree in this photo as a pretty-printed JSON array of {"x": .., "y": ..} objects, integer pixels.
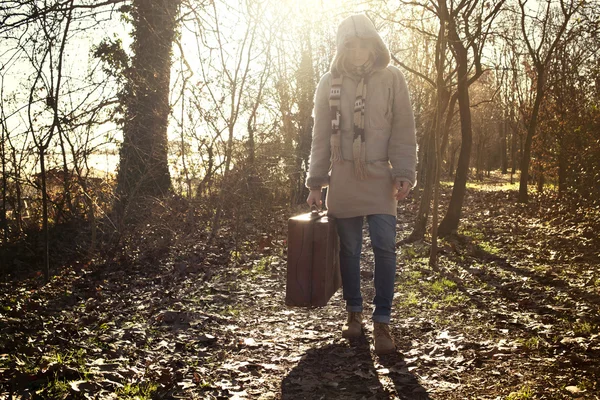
[
  {"x": 440, "y": 106},
  {"x": 54, "y": 91},
  {"x": 421, "y": 62},
  {"x": 469, "y": 25},
  {"x": 542, "y": 34},
  {"x": 233, "y": 73}
]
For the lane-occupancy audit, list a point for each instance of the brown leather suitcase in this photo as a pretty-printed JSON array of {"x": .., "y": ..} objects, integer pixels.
[{"x": 313, "y": 265}]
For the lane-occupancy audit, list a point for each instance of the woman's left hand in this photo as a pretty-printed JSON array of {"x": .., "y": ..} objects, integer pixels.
[{"x": 403, "y": 188}]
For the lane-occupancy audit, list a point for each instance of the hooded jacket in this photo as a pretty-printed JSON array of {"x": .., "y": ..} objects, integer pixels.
[{"x": 389, "y": 133}]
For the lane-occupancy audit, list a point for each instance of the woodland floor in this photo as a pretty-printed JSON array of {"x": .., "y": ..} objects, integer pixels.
[{"x": 512, "y": 313}]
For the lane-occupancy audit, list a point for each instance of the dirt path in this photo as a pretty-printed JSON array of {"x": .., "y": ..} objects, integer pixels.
[{"x": 512, "y": 313}]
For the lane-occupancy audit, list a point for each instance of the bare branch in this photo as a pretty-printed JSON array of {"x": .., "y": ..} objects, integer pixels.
[{"x": 413, "y": 71}]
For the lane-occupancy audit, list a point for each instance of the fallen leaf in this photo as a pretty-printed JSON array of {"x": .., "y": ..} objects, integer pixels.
[
  {"x": 206, "y": 338},
  {"x": 573, "y": 389},
  {"x": 250, "y": 342}
]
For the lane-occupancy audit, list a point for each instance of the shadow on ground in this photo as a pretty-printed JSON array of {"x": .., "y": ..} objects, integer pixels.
[{"x": 339, "y": 371}]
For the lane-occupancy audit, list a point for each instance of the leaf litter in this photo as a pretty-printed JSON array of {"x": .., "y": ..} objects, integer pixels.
[{"x": 511, "y": 312}]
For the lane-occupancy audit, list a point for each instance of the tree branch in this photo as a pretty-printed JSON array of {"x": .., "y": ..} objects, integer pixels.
[{"x": 415, "y": 72}]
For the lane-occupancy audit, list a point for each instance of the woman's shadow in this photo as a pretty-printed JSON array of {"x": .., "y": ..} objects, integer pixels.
[{"x": 342, "y": 371}]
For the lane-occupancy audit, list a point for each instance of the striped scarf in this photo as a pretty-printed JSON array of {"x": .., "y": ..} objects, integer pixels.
[{"x": 358, "y": 144}]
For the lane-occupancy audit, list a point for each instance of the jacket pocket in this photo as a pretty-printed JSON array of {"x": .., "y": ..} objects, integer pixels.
[{"x": 379, "y": 107}]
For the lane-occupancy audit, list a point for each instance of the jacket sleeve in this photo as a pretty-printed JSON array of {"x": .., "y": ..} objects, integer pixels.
[
  {"x": 402, "y": 148},
  {"x": 320, "y": 151}
]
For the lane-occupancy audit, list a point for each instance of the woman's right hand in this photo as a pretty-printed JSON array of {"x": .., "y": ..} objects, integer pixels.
[{"x": 314, "y": 197}]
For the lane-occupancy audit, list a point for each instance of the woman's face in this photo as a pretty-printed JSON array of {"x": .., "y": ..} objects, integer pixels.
[{"x": 358, "y": 50}]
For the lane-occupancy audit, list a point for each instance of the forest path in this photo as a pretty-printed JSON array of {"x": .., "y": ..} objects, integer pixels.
[{"x": 512, "y": 313}]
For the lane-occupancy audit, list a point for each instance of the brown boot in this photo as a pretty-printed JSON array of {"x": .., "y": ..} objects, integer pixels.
[
  {"x": 353, "y": 327},
  {"x": 384, "y": 344}
]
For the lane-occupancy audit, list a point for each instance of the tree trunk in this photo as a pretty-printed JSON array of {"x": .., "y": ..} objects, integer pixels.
[
  {"x": 531, "y": 128},
  {"x": 143, "y": 166},
  {"x": 541, "y": 177},
  {"x": 503, "y": 147},
  {"x": 251, "y": 144},
  {"x": 3, "y": 221},
  {"x": 452, "y": 217},
  {"x": 479, "y": 157},
  {"x": 216, "y": 222},
  {"x": 422, "y": 163},
  {"x": 188, "y": 179},
  {"x": 562, "y": 166},
  {"x": 541, "y": 181},
  {"x": 442, "y": 101},
  {"x": 452, "y": 160},
  {"x": 423, "y": 215},
  {"x": 45, "y": 216},
  {"x": 66, "y": 178},
  {"x": 305, "y": 82},
  {"x": 447, "y": 125},
  {"x": 17, "y": 180}
]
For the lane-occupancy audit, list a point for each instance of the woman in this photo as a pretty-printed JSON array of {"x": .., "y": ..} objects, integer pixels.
[{"x": 364, "y": 150}]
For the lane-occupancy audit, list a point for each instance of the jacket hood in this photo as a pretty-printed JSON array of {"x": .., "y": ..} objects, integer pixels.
[{"x": 360, "y": 26}]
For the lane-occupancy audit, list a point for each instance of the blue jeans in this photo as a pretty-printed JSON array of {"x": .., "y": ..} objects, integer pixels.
[{"x": 382, "y": 228}]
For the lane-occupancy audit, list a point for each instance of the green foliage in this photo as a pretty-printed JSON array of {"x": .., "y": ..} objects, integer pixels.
[
  {"x": 524, "y": 393},
  {"x": 472, "y": 232},
  {"x": 55, "y": 389},
  {"x": 487, "y": 186},
  {"x": 232, "y": 311},
  {"x": 260, "y": 266},
  {"x": 415, "y": 289},
  {"x": 489, "y": 248},
  {"x": 415, "y": 251},
  {"x": 583, "y": 328},
  {"x": 73, "y": 358},
  {"x": 111, "y": 53},
  {"x": 143, "y": 391},
  {"x": 533, "y": 343},
  {"x": 479, "y": 237},
  {"x": 442, "y": 285},
  {"x": 587, "y": 385},
  {"x": 409, "y": 299}
]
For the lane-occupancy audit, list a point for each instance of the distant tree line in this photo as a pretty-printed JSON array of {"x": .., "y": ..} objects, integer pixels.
[{"x": 212, "y": 101}]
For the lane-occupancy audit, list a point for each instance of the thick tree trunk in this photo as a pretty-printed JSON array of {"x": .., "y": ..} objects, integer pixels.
[{"x": 143, "y": 167}]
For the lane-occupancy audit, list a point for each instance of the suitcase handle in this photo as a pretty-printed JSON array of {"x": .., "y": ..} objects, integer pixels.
[
  {"x": 315, "y": 213},
  {"x": 314, "y": 209}
]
